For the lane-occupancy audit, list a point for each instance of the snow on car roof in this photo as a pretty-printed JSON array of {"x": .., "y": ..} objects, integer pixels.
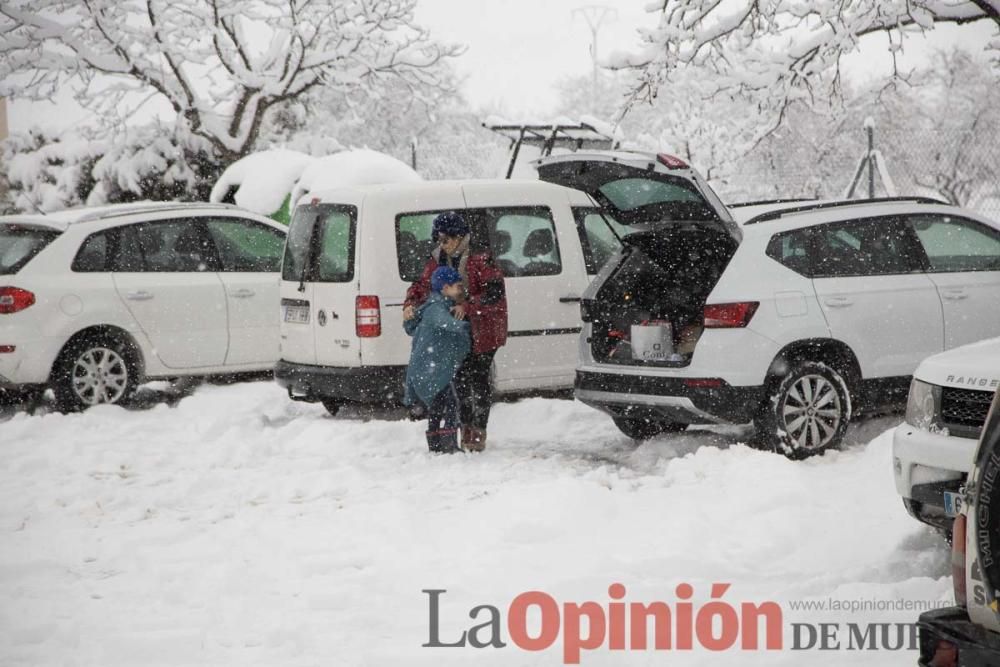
[
  {"x": 352, "y": 168},
  {"x": 356, "y": 193},
  {"x": 261, "y": 180}
]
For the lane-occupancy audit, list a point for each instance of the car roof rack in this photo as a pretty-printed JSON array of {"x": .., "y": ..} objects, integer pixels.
[
  {"x": 765, "y": 202},
  {"x": 574, "y": 136},
  {"x": 775, "y": 215},
  {"x": 118, "y": 210}
]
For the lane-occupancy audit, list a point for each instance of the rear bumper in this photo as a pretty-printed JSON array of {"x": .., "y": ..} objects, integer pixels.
[
  {"x": 366, "y": 384},
  {"x": 668, "y": 398},
  {"x": 976, "y": 646}
]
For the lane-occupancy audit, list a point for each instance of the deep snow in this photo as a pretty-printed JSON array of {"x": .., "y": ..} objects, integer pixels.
[{"x": 241, "y": 528}]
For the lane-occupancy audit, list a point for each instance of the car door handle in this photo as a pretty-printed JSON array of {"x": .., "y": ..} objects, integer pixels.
[
  {"x": 838, "y": 301},
  {"x": 243, "y": 293},
  {"x": 569, "y": 299},
  {"x": 139, "y": 295},
  {"x": 955, "y": 295}
]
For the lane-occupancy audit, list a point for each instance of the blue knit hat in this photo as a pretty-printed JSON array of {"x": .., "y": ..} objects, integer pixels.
[
  {"x": 442, "y": 276},
  {"x": 449, "y": 223}
]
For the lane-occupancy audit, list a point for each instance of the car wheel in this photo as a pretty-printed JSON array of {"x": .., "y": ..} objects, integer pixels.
[
  {"x": 333, "y": 406},
  {"x": 644, "y": 429},
  {"x": 95, "y": 371},
  {"x": 807, "y": 411}
]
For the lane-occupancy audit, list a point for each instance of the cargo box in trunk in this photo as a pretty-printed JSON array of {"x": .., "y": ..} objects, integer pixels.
[{"x": 650, "y": 309}]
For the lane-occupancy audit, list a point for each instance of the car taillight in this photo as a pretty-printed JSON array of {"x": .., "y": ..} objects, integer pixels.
[
  {"x": 671, "y": 161},
  {"x": 14, "y": 299},
  {"x": 368, "y": 317},
  {"x": 730, "y": 315},
  {"x": 958, "y": 559}
]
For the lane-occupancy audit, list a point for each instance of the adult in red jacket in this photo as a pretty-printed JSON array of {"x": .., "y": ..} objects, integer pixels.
[{"x": 485, "y": 307}]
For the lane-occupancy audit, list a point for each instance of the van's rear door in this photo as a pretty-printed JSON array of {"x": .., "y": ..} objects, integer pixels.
[
  {"x": 636, "y": 188},
  {"x": 319, "y": 287}
]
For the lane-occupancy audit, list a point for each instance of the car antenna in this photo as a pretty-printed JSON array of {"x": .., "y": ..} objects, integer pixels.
[{"x": 36, "y": 206}]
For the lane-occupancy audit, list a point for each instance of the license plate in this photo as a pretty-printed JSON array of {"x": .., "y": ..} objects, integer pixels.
[
  {"x": 297, "y": 314},
  {"x": 952, "y": 503}
]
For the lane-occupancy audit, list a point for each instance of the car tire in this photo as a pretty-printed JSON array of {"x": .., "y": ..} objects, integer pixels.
[
  {"x": 644, "y": 429},
  {"x": 332, "y": 405},
  {"x": 806, "y": 412},
  {"x": 95, "y": 370}
]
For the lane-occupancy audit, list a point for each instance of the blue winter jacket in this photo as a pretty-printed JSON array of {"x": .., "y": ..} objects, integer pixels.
[{"x": 440, "y": 343}]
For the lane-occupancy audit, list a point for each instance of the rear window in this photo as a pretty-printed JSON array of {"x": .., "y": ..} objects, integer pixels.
[
  {"x": 631, "y": 193},
  {"x": 320, "y": 244},
  {"x": 18, "y": 245},
  {"x": 791, "y": 249}
]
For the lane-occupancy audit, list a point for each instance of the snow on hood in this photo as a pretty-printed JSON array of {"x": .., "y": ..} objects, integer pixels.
[
  {"x": 262, "y": 179},
  {"x": 354, "y": 167},
  {"x": 972, "y": 366}
]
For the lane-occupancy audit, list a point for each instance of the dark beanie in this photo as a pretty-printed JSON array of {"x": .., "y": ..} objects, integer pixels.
[{"x": 449, "y": 223}]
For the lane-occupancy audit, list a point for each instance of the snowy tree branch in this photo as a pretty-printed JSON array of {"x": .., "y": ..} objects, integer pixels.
[
  {"x": 221, "y": 64},
  {"x": 777, "y": 52}
]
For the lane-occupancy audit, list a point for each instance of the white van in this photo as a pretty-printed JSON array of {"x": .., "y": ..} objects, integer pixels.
[{"x": 351, "y": 254}]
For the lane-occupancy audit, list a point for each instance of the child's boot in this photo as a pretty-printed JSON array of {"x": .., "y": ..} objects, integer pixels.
[
  {"x": 443, "y": 442},
  {"x": 476, "y": 440}
]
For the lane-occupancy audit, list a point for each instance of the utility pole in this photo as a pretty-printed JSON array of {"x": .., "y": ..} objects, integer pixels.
[{"x": 596, "y": 16}]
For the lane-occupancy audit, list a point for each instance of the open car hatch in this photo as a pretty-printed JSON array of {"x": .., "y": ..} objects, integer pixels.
[{"x": 640, "y": 188}]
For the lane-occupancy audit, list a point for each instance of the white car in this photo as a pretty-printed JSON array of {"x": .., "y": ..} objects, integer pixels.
[
  {"x": 94, "y": 301},
  {"x": 933, "y": 451},
  {"x": 797, "y": 320}
]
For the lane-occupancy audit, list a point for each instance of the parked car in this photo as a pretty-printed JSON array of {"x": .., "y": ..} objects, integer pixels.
[
  {"x": 934, "y": 449},
  {"x": 797, "y": 320},
  {"x": 352, "y": 253},
  {"x": 968, "y": 634},
  {"x": 94, "y": 301}
]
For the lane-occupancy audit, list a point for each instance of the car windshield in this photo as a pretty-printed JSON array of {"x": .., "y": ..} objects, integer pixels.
[{"x": 18, "y": 244}]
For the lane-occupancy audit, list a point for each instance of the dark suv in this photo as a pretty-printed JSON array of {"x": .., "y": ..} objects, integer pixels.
[{"x": 968, "y": 634}]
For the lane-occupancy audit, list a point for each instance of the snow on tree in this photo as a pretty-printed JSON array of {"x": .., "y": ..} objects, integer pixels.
[
  {"x": 774, "y": 53},
  {"x": 47, "y": 173},
  {"x": 221, "y": 64}
]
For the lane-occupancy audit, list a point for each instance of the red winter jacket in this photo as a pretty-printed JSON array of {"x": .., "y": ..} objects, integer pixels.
[{"x": 486, "y": 307}]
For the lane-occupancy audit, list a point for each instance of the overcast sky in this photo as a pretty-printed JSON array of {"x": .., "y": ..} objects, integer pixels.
[{"x": 518, "y": 49}]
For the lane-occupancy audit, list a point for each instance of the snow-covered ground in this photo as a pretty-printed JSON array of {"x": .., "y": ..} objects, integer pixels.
[{"x": 239, "y": 528}]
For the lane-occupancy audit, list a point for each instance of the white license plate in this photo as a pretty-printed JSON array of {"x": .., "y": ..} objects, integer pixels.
[
  {"x": 297, "y": 314},
  {"x": 952, "y": 503}
]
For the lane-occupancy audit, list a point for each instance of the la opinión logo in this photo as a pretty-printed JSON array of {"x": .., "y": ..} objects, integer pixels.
[{"x": 617, "y": 624}]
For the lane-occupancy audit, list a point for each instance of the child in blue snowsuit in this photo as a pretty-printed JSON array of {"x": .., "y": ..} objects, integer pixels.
[{"x": 440, "y": 344}]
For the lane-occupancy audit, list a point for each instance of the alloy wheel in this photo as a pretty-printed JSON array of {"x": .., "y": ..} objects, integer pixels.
[
  {"x": 812, "y": 412},
  {"x": 100, "y": 375}
]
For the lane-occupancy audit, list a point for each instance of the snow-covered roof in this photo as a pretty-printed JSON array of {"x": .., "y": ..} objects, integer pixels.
[
  {"x": 262, "y": 180},
  {"x": 351, "y": 168},
  {"x": 409, "y": 190}
]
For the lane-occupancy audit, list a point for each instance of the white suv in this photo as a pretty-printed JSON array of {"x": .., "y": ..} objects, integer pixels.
[
  {"x": 796, "y": 320},
  {"x": 934, "y": 450},
  {"x": 95, "y": 300}
]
